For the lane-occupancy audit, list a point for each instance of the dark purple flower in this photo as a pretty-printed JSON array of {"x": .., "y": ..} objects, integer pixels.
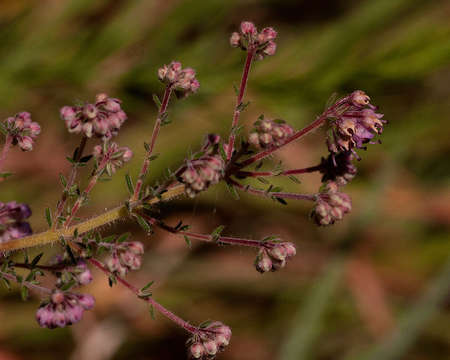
[
  {"x": 338, "y": 167},
  {"x": 354, "y": 124},
  {"x": 12, "y": 224}
]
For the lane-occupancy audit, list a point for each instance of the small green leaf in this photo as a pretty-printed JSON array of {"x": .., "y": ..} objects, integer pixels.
[
  {"x": 152, "y": 312},
  {"x": 63, "y": 180},
  {"x": 147, "y": 286},
  {"x": 35, "y": 261},
  {"x": 233, "y": 191},
  {"x": 157, "y": 101},
  {"x": 129, "y": 183},
  {"x": 143, "y": 223},
  {"x": 48, "y": 217},
  {"x": 188, "y": 241},
  {"x": 24, "y": 293}
]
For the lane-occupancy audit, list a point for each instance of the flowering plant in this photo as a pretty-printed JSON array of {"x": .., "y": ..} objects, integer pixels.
[{"x": 352, "y": 124}]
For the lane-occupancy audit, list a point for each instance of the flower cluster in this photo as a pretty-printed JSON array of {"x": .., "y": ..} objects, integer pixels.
[
  {"x": 114, "y": 155},
  {"x": 22, "y": 130},
  {"x": 356, "y": 125},
  {"x": 63, "y": 308},
  {"x": 209, "y": 341},
  {"x": 202, "y": 173},
  {"x": 126, "y": 256},
  {"x": 12, "y": 224},
  {"x": 338, "y": 168},
  {"x": 183, "y": 81},
  {"x": 331, "y": 205},
  {"x": 275, "y": 257},
  {"x": 268, "y": 133},
  {"x": 249, "y": 38},
  {"x": 102, "y": 119}
]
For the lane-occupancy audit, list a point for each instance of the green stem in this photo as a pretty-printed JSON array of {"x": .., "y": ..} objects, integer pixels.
[{"x": 107, "y": 217}]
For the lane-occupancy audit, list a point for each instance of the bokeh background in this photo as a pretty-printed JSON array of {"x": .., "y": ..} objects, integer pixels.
[{"x": 375, "y": 286}]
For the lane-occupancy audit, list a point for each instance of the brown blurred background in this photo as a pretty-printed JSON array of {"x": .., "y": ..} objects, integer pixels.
[{"x": 375, "y": 286}]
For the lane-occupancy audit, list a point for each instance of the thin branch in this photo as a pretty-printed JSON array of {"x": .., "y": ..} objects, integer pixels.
[
  {"x": 72, "y": 178},
  {"x": 161, "y": 309},
  {"x": 282, "y": 173},
  {"x": 156, "y": 129},
  {"x": 297, "y": 135},
  {"x": 270, "y": 194},
  {"x": 240, "y": 96}
]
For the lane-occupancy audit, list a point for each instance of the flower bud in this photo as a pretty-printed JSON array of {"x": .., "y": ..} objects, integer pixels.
[
  {"x": 248, "y": 28},
  {"x": 263, "y": 263},
  {"x": 235, "y": 39},
  {"x": 210, "y": 347},
  {"x": 197, "y": 350}
]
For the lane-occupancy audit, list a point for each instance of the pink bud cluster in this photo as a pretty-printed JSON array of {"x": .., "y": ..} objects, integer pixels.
[
  {"x": 275, "y": 257},
  {"x": 126, "y": 256},
  {"x": 63, "y": 308},
  {"x": 209, "y": 341},
  {"x": 22, "y": 130},
  {"x": 12, "y": 221},
  {"x": 268, "y": 133},
  {"x": 201, "y": 173},
  {"x": 356, "y": 125},
  {"x": 338, "y": 168},
  {"x": 262, "y": 42},
  {"x": 331, "y": 205},
  {"x": 182, "y": 80},
  {"x": 114, "y": 155},
  {"x": 102, "y": 119}
]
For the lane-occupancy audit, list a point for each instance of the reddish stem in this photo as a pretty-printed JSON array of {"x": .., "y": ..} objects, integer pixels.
[
  {"x": 6, "y": 148},
  {"x": 226, "y": 240},
  {"x": 283, "y": 173},
  {"x": 156, "y": 129},
  {"x": 283, "y": 195},
  {"x": 72, "y": 177},
  {"x": 315, "y": 124},
  {"x": 237, "y": 112},
  {"x": 161, "y": 309}
]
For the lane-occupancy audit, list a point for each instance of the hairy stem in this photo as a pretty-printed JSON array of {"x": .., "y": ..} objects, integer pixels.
[
  {"x": 240, "y": 96},
  {"x": 72, "y": 178},
  {"x": 28, "y": 284},
  {"x": 157, "y": 306},
  {"x": 282, "y": 173},
  {"x": 50, "y": 236},
  {"x": 5, "y": 150},
  {"x": 156, "y": 129}
]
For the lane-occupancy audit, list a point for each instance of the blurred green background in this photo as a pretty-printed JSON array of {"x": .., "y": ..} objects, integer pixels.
[{"x": 375, "y": 286}]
